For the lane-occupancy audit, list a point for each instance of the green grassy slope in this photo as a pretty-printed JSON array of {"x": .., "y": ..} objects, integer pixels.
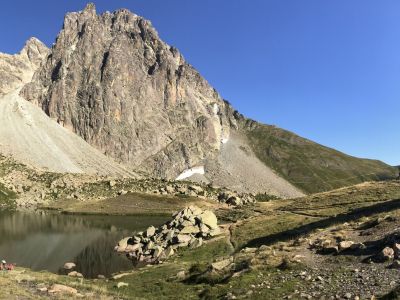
[{"x": 308, "y": 165}]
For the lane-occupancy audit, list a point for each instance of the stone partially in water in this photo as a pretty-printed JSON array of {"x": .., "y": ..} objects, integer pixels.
[
  {"x": 122, "y": 244},
  {"x": 69, "y": 265},
  {"x": 187, "y": 229}
]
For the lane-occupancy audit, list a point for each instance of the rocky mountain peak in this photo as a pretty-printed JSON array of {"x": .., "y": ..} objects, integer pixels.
[
  {"x": 18, "y": 69},
  {"x": 113, "y": 81},
  {"x": 35, "y": 50},
  {"x": 90, "y": 8}
]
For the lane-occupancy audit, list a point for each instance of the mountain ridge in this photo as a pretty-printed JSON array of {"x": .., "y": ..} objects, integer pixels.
[{"x": 111, "y": 80}]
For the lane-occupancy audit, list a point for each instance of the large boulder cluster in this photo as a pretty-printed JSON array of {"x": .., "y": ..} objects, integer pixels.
[
  {"x": 188, "y": 228},
  {"x": 390, "y": 250},
  {"x": 193, "y": 190},
  {"x": 333, "y": 246},
  {"x": 235, "y": 199}
]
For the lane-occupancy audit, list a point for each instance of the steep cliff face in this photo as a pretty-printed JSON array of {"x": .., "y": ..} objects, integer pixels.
[
  {"x": 110, "y": 79},
  {"x": 29, "y": 135},
  {"x": 18, "y": 69}
]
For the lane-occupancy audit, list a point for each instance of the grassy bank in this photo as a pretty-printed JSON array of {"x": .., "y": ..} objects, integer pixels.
[
  {"x": 274, "y": 224},
  {"x": 129, "y": 204}
]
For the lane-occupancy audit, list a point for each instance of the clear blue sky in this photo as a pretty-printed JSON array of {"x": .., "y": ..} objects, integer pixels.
[{"x": 327, "y": 70}]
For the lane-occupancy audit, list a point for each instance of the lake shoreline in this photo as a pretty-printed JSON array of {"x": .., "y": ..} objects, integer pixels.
[{"x": 131, "y": 204}]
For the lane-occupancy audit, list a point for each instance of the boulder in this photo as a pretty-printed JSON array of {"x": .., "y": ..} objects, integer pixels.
[
  {"x": 170, "y": 235},
  {"x": 119, "y": 276},
  {"x": 195, "y": 210},
  {"x": 157, "y": 251},
  {"x": 223, "y": 264},
  {"x": 112, "y": 183},
  {"x": 195, "y": 243},
  {"x": 386, "y": 254},
  {"x": 150, "y": 246},
  {"x": 236, "y": 201},
  {"x": 75, "y": 274},
  {"x": 344, "y": 245},
  {"x": 326, "y": 243},
  {"x": 135, "y": 247},
  {"x": 150, "y": 231},
  {"x": 214, "y": 232},
  {"x": 396, "y": 248},
  {"x": 190, "y": 230},
  {"x": 196, "y": 189},
  {"x": 62, "y": 289},
  {"x": 69, "y": 266},
  {"x": 183, "y": 238},
  {"x": 208, "y": 218},
  {"x": 170, "y": 189},
  {"x": 122, "y": 244},
  {"x": 122, "y": 284},
  {"x": 181, "y": 275},
  {"x": 204, "y": 228},
  {"x": 169, "y": 252}
]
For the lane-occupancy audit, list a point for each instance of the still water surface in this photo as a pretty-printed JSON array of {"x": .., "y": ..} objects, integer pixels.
[{"x": 45, "y": 241}]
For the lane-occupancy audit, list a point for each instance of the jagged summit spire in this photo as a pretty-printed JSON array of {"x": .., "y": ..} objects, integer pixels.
[
  {"x": 34, "y": 42},
  {"x": 90, "y": 8}
]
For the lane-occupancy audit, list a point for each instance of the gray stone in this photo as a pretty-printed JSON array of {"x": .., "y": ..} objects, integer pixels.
[
  {"x": 122, "y": 284},
  {"x": 69, "y": 265},
  {"x": 190, "y": 230},
  {"x": 75, "y": 274},
  {"x": 208, "y": 218},
  {"x": 122, "y": 244},
  {"x": 220, "y": 265},
  {"x": 195, "y": 243},
  {"x": 344, "y": 245},
  {"x": 129, "y": 94},
  {"x": 386, "y": 254},
  {"x": 183, "y": 238},
  {"x": 150, "y": 231}
]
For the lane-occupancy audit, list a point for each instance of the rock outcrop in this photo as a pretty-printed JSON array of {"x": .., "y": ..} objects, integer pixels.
[
  {"x": 18, "y": 69},
  {"x": 111, "y": 80},
  {"x": 188, "y": 228}
]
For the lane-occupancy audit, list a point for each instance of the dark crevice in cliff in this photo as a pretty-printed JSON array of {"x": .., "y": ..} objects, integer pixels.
[{"x": 103, "y": 64}]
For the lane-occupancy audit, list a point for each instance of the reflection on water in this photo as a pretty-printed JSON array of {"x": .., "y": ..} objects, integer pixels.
[{"x": 46, "y": 241}]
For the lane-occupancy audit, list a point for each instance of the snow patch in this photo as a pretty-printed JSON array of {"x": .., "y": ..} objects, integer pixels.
[
  {"x": 224, "y": 140},
  {"x": 189, "y": 172},
  {"x": 215, "y": 109}
]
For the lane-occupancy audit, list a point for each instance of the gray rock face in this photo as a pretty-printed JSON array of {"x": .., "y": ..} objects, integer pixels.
[
  {"x": 188, "y": 228},
  {"x": 18, "y": 69},
  {"x": 110, "y": 79}
]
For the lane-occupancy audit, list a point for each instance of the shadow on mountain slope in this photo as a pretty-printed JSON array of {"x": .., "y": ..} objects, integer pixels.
[{"x": 341, "y": 218}]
